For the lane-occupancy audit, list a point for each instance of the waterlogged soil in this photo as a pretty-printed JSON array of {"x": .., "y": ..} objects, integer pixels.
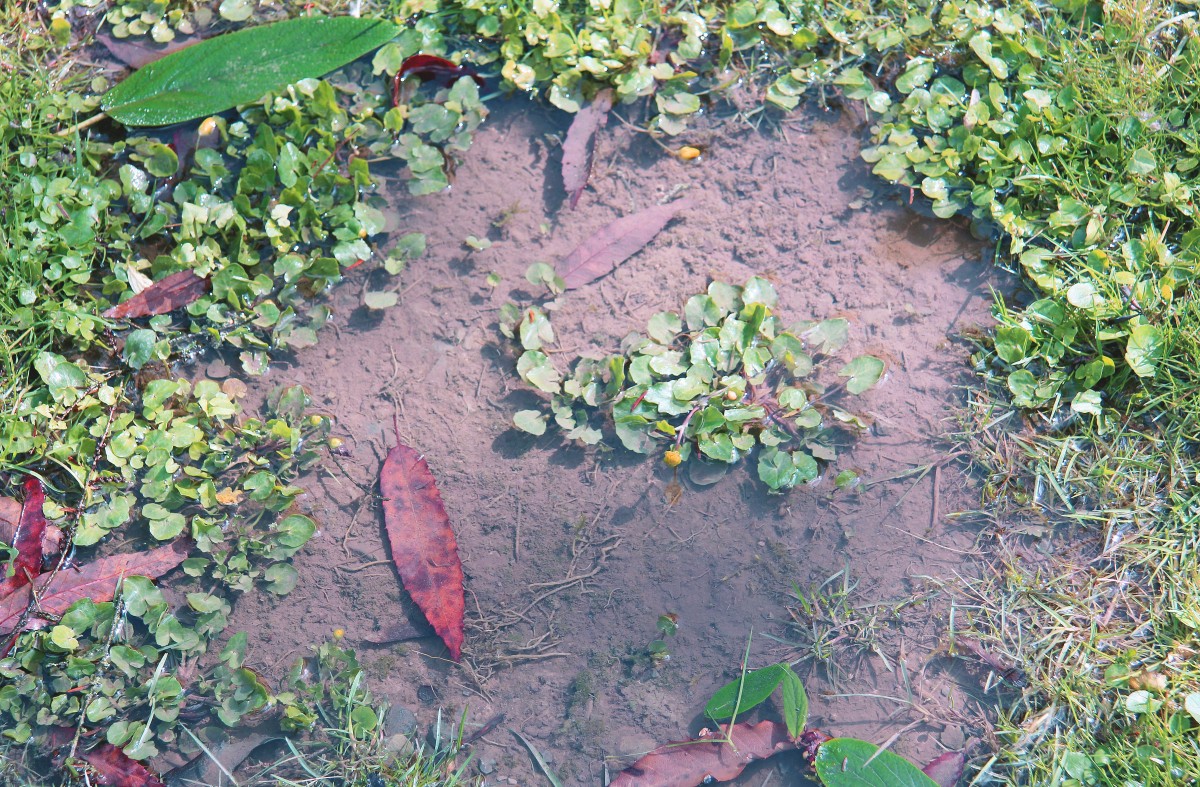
[{"x": 572, "y": 555}]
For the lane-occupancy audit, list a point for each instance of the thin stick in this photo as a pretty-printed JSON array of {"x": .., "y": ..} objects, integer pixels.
[
  {"x": 93, "y": 120},
  {"x": 935, "y": 515},
  {"x": 517, "y": 533}
]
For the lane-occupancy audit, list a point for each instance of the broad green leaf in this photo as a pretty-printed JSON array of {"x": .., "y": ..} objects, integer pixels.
[
  {"x": 139, "y": 347},
  {"x": 756, "y": 686},
  {"x": 864, "y": 371},
  {"x": 843, "y": 762},
  {"x": 240, "y": 67},
  {"x": 795, "y": 702}
]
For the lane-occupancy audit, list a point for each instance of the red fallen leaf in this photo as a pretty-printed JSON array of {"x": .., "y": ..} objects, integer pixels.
[
  {"x": 580, "y": 142},
  {"x": 423, "y": 545},
  {"x": 96, "y": 580},
  {"x": 169, "y": 293},
  {"x": 947, "y": 769},
  {"x": 114, "y": 767},
  {"x": 432, "y": 68},
  {"x": 690, "y": 763},
  {"x": 27, "y": 540},
  {"x": 615, "y": 243}
]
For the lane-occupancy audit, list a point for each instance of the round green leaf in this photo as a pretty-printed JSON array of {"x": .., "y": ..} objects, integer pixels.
[
  {"x": 139, "y": 347},
  {"x": 281, "y": 578},
  {"x": 531, "y": 421},
  {"x": 864, "y": 371}
]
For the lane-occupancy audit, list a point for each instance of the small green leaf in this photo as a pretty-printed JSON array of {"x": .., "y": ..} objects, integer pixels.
[
  {"x": 378, "y": 301},
  {"x": 64, "y": 638},
  {"x": 281, "y": 578},
  {"x": 864, "y": 371},
  {"x": 1191, "y": 703},
  {"x": 530, "y": 421},
  {"x": 139, "y": 347},
  {"x": 1143, "y": 350}
]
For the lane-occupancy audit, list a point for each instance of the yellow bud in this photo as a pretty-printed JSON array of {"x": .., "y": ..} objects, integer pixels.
[
  {"x": 672, "y": 458},
  {"x": 732, "y": 396},
  {"x": 335, "y": 443},
  {"x": 314, "y": 420},
  {"x": 339, "y": 633},
  {"x": 362, "y": 233},
  {"x": 687, "y": 153},
  {"x": 207, "y": 126}
]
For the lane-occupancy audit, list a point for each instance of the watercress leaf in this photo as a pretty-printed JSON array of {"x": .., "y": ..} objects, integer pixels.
[
  {"x": 1143, "y": 350},
  {"x": 139, "y": 347},
  {"x": 281, "y": 578},
  {"x": 863, "y": 372},
  {"x": 664, "y": 327},
  {"x": 531, "y": 421},
  {"x": 535, "y": 368},
  {"x": 759, "y": 290}
]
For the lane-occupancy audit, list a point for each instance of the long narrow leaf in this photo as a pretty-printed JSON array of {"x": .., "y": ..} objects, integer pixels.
[{"x": 237, "y": 68}]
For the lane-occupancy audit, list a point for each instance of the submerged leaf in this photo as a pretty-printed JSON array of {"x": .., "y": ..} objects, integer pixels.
[
  {"x": 423, "y": 545},
  {"x": 946, "y": 769},
  {"x": 97, "y": 580},
  {"x": 580, "y": 143},
  {"x": 690, "y": 763},
  {"x": 168, "y": 294},
  {"x": 27, "y": 540},
  {"x": 239, "y": 67},
  {"x": 615, "y": 243},
  {"x": 849, "y": 762}
]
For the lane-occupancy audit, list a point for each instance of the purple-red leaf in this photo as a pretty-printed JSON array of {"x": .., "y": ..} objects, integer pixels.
[
  {"x": 581, "y": 142},
  {"x": 423, "y": 545},
  {"x": 615, "y": 243},
  {"x": 113, "y": 767},
  {"x": 97, "y": 580},
  {"x": 690, "y": 763},
  {"x": 169, "y": 293},
  {"x": 947, "y": 769},
  {"x": 27, "y": 539}
]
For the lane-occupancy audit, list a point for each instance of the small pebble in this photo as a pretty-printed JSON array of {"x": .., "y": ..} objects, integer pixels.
[{"x": 486, "y": 766}]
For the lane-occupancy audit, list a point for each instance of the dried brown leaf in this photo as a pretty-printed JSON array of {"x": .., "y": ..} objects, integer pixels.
[
  {"x": 169, "y": 293},
  {"x": 96, "y": 580},
  {"x": 690, "y": 763},
  {"x": 615, "y": 243},
  {"x": 580, "y": 144}
]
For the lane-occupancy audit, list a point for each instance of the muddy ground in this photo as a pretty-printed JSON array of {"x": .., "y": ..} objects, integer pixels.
[{"x": 570, "y": 669}]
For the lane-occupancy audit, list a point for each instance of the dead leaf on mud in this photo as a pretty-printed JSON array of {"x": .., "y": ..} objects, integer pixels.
[
  {"x": 578, "y": 147},
  {"x": 136, "y": 54},
  {"x": 96, "y": 580},
  {"x": 423, "y": 545},
  {"x": 169, "y": 293},
  {"x": 690, "y": 763},
  {"x": 947, "y": 769},
  {"x": 31, "y": 526},
  {"x": 615, "y": 243},
  {"x": 108, "y": 764}
]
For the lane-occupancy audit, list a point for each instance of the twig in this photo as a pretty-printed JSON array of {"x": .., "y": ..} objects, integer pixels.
[{"x": 93, "y": 120}]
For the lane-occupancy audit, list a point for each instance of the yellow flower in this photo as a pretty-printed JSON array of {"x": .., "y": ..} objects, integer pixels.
[
  {"x": 687, "y": 153},
  {"x": 672, "y": 458}
]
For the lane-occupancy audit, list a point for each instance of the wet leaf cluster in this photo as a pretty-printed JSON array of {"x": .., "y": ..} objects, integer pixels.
[
  {"x": 176, "y": 462},
  {"x": 721, "y": 381}
]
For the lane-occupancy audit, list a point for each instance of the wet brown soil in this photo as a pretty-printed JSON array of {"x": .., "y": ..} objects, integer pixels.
[{"x": 567, "y": 662}]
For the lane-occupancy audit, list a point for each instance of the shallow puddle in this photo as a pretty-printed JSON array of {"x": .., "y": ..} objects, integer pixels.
[{"x": 572, "y": 556}]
